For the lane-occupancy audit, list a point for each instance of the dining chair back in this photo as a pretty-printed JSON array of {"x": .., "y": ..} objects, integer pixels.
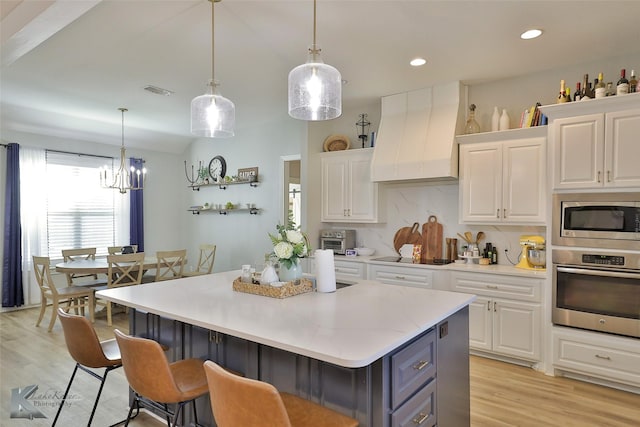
[
  {"x": 75, "y": 297},
  {"x": 157, "y": 382},
  {"x": 230, "y": 394},
  {"x": 205, "y": 261},
  {"x": 124, "y": 270},
  {"x": 78, "y": 254},
  {"x": 88, "y": 352},
  {"x": 119, "y": 250},
  {"x": 170, "y": 264}
]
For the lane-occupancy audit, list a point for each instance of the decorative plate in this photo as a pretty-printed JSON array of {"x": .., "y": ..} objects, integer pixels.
[{"x": 337, "y": 143}]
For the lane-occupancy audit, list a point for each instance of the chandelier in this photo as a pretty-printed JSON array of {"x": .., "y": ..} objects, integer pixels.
[
  {"x": 125, "y": 178},
  {"x": 212, "y": 115},
  {"x": 315, "y": 88}
]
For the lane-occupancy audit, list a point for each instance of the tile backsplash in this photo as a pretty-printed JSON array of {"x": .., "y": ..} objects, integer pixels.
[{"x": 410, "y": 203}]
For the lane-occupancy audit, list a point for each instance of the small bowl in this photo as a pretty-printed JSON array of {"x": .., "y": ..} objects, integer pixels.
[
  {"x": 461, "y": 261},
  {"x": 365, "y": 251}
]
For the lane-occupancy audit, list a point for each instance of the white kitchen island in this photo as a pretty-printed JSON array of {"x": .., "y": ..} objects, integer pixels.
[{"x": 386, "y": 355}]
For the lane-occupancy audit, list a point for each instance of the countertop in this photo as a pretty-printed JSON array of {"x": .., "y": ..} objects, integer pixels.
[
  {"x": 475, "y": 268},
  {"x": 351, "y": 327}
]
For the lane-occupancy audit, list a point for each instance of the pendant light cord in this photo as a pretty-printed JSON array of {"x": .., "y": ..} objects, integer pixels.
[
  {"x": 314, "y": 25},
  {"x": 213, "y": 78}
]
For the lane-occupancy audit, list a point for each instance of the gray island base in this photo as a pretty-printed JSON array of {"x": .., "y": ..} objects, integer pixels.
[{"x": 385, "y": 355}]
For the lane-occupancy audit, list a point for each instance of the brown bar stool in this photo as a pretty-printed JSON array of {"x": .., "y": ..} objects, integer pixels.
[
  {"x": 88, "y": 352},
  {"x": 238, "y": 401},
  {"x": 155, "y": 382}
]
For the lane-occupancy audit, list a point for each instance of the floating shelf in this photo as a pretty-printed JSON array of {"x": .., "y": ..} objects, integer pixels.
[
  {"x": 251, "y": 211},
  {"x": 223, "y": 185}
]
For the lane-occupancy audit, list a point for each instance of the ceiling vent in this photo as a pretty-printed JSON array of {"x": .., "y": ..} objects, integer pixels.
[{"x": 158, "y": 90}]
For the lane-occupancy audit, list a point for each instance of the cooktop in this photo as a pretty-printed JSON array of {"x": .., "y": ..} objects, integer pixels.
[{"x": 398, "y": 259}]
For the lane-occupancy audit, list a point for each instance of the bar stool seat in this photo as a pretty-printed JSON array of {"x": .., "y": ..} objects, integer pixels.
[
  {"x": 238, "y": 401},
  {"x": 156, "y": 383}
]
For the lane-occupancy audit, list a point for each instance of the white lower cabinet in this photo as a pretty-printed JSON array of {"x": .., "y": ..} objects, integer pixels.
[
  {"x": 595, "y": 356},
  {"x": 345, "y": 269},
  {"x": 506, "y": 317},
  {"x": 405, "y": 276}
]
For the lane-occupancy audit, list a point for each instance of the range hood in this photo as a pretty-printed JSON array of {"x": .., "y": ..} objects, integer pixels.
[{"x": 416, "y": 136}]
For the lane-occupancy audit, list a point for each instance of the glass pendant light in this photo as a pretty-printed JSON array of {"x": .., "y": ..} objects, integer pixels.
[
  {"x": 212, "y": 115},
  {"x": 315, "y": 88}
]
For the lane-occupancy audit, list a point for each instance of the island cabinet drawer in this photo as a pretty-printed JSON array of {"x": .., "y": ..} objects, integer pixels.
[
  {"x": 495, "y": 285},
  {"x": 412, "y": 367},
  {"x": 420, "y": 410},
  {"x": 405, "y": 276}
]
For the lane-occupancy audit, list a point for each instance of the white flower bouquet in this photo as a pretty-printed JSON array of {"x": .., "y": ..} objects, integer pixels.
[{"x": 289, "y": 244}]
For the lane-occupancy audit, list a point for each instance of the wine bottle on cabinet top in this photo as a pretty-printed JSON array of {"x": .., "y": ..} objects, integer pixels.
[
  {"x": 587, "y": 92},
  {"x": 472, "y": 125},
  {"x": 561, "y": 95},
  {"x": 633, "y": 82},
  {"x": 601, "y": 88},
  {"x": 577, "y": 93},
  {"x": 622, "y": 88}
]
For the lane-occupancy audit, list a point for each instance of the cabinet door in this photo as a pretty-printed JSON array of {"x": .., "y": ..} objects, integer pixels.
[
  {"x": 622, "y": 149},
  {"x": 335, "y": 178},
  {"x": 523, "y": 190},
  {"x": 516, "y": 329},
  {"x": 579, "y": 151},
  {"x": 480, "y": 323},
  {"x": 362, "y": 192},
  {"x": 481, "y": 182}
]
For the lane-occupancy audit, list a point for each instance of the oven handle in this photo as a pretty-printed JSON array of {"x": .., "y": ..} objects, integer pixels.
[{"x": 618, "y": 274}]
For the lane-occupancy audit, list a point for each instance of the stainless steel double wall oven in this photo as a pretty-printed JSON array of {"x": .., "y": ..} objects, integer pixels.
[{"x": 596, "y": 262}]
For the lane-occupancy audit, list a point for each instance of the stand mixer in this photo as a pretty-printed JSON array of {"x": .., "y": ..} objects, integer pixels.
[{"x": 533, "y": 253}]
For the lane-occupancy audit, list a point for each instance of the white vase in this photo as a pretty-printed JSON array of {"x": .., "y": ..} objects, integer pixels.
[
  {"x": 495, "y": 120},
  {"x": 504, "y": 120},
  {"x": 268, "y": 275},
  {"x": 290, "y": 274}
]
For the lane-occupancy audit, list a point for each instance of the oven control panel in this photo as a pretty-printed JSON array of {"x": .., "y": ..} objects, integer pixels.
[{"x": 603, "y": 259}]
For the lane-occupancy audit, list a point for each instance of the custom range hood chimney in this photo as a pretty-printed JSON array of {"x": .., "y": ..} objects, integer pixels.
[{"x": 416, "y": 135}]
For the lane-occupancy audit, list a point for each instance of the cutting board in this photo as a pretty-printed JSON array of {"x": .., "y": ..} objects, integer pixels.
[
  {"x": 431, "y": 239},
  {"x": 407, "y": 235}
]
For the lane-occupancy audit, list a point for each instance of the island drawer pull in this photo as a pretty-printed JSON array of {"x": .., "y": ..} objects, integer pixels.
[
  {"x": 400, "y": 277},
  {"x": 492, "y": 287},
  {"x": 423, "y": 418},
  {"x": 420, "y": 365}
]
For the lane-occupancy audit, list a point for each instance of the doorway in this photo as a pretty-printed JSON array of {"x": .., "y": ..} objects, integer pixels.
[{"x": 292, "y": 190}]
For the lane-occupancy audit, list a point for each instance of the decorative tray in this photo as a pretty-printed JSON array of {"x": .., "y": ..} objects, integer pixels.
[{"x": 288, "y": 289}]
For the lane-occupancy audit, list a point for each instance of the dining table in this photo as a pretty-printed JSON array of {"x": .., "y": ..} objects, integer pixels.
[{"x": 96, "y": 266}]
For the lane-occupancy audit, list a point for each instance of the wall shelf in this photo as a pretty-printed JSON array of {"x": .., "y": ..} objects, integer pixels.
[
  {"x": 222, "y": 185},
  {"x": 251, "y": 211}
]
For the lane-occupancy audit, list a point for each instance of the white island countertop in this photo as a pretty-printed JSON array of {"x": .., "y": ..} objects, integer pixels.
[{"x": 351, "y": 327}]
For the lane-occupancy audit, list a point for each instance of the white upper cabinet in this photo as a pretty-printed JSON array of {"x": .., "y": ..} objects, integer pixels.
[
  {"x": 596, "y": 143},
  {"x": 502, "y": 177},
  {"x": 348, "y": 194}
]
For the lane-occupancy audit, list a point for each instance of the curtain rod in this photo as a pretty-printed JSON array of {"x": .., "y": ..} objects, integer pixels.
[
  {"x": 79, "y": 154},
  {"x": 4, "y": 145}
]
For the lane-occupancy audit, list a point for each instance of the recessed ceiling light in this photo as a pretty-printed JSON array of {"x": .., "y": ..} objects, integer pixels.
[
  {"x": 417, "y": 62},
  {"x": 531, "y": 34},
  {"x": 158, "y": 90}
]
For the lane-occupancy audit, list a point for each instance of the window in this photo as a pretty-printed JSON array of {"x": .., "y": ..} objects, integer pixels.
[{"x": 79, "y": 212}]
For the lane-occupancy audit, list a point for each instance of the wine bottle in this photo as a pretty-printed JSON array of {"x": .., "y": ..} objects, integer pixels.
[
  {"x": 567, "y": 95},
  {"x": 610, "y": 91},
  {"x": 577, "y": 93},
  {"x": 622, "y": 88},
  {"x": 472, "y": 125},
  {"x": 633, "y": 82},
  {"x": 601, "y": 88},
  {"x": 562, "y": 97},
  {"x": 586, "y": 88}
]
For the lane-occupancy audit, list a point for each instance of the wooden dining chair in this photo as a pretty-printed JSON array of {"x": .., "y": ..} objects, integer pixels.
[
  {"x": 205, "y": 261},
  {"x": 124, "y": 270},
  {"x": 81, "y": 254},
  {"x": 119, "y": 250},
  {"x": 239, "y": 401},
  {"x": 156, "y": 382},
  {"x": 75, "y": 297},
  {"x": 170, "y": 264},
  {"x": 89, "y": 353}
]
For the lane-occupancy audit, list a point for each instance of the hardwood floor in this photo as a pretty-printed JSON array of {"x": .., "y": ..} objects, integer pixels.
[{"x": 501, "y": 394}]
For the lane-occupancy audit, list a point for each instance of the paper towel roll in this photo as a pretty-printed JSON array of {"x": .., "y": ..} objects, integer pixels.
[{"x": 325, "y": 271}]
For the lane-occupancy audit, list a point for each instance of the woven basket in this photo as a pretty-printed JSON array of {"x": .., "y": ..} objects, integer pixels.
[{"x": 289, "y": 289}]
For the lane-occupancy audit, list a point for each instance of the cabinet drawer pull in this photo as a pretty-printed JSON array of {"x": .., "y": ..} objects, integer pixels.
[
  {"x": 494, "y": 306},
  {"x": 420, "y": 365},
  {"x": 400, "y": 277},
  {"x": 497, "y": 213},
  {"x": 420, "y": 418},
  {"x": 488, "y": 305},
  {"x": 598, "y": 176},
  {"x": 492, "y": 287},
  {"x": 504, "y": 213},
  {"x": 608, "y": 176},
  {"x": 603, "y": 357}
]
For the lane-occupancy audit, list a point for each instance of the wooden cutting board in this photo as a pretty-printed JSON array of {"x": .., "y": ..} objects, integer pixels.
[
  {"x": 407, "y": 235},
  {"x": 431, "y": 239}
]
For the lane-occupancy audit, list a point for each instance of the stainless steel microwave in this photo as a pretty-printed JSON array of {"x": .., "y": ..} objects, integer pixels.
[{"x": 597, "y": 220}]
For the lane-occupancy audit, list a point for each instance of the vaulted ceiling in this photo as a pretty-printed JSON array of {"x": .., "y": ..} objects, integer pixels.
[{"x": 68, "y": 65}]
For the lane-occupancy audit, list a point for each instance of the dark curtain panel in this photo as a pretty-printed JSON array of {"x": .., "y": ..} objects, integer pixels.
[
  {"x": 136, "y": 212},
  {"x": 12, "y": 293}
]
